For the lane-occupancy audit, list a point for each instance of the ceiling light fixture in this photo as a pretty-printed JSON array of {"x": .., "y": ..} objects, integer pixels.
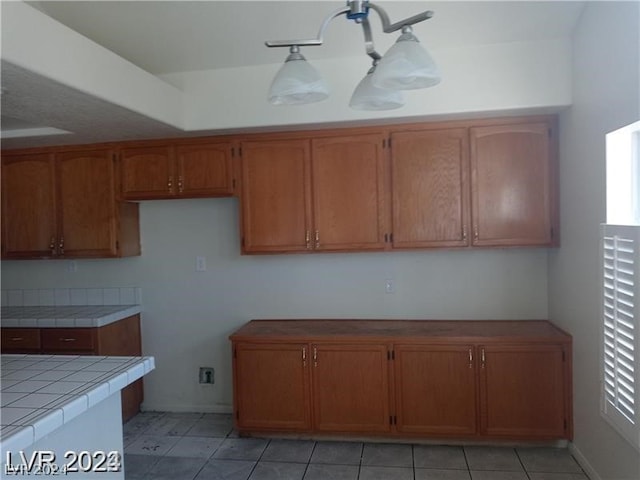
[{"x": 406, "y": 66}]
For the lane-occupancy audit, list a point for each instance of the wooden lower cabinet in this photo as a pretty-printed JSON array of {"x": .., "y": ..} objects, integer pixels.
[
  {"x": 117, "y": 338},
  {"x": 523, "y": 390},
  {"x": 272, "y": 386},
  {"x": 435, "y": 389},
  {"x": 494, "y": 380},
  {"x": 351, "y": 388}
]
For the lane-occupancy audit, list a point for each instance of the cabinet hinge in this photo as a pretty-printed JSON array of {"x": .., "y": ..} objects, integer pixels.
[{"x": 391, "y": 355}]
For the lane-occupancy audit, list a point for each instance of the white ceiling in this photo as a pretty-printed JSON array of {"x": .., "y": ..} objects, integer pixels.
[{"x": 174, "y": 36}]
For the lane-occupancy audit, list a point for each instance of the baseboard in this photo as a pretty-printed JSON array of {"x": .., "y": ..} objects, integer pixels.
[
  {"x": 208, "y": 408},
  {"x": 584, "y": 463}
]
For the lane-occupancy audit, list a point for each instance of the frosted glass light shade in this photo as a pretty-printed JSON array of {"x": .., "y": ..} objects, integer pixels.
[
  {"x": 406, "y": 66},
  {"x": 297, "y": 82},
  {"x": 367, "y": 96}
]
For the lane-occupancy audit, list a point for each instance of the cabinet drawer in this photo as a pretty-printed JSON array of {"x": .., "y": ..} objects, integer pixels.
[
  {"x": 68, "y": 339},
  {"x": 20, "y": 339}
]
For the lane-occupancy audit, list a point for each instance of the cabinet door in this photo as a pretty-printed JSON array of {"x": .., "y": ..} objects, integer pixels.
[
  {"x": 148, "y": 173},
  {"x": 87, "y": 204},
  {"x": 204, "y": 170},
  {"x": 348, "y": 178},
  {"x": 522, "y": 391},
  {"x": 271, "y": 387},
  {"x": 512, "y": 192},
  {"x": 276, "y": 208},
  {"x": 435, "y": 389},
  {"x": 351, "y": 388},
  {"x": 429, "y": 171},
  {"x": 28, "y": 206}
]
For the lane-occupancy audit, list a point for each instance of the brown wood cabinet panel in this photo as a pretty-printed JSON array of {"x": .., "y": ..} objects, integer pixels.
[
  {"x": 436, "y": 389},
  {"x": 276, "y": 208},
  {"x": 512, "y": 185},
  {"x": 87, "y": 202},
  {"x": 351, "y": 388},
  {"x": 271, "y": 386},
  {"x": 523, "y": 391},
  {"x": 430, "y": 189},
  {"x": 148, "y": 172},
  {"x": 68, "y": 339},
  {"x": 204, "y": 170},
  {"x": 349, "y": 202},
  {"x": 20, "y": 340},
  {"x": 29, "y": 226}
]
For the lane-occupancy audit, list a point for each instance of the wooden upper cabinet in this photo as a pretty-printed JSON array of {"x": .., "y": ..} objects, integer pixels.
[
  {"x": 147, "y": 172},
  {"x": 435, "y": 389},
  {"x": 513, "y": 184},
  {"x": 271, "y": 386},
  {"x": 430, "y": 199},
  {"x": 351, "y": 388},
  {"x": 182, "y": 170},
  {"x": 204, "y": 170},
  {"x": 349, "y": 200},
  {"x": 523, "y": 391},
  {"x": 29, "y": 226},
  {"x": 87, "y": 204},
  {"x": 276, "y": 198},
  {"x": 65, "y": 205}
]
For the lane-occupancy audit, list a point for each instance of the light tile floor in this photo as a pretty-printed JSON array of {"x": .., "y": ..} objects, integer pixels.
[{"x": 187, "y": 446}]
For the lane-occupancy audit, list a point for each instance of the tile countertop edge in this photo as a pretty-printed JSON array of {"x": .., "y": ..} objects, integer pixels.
[
  {"x": 20, "y": 437},
  {"x": 87, "y": 319}
]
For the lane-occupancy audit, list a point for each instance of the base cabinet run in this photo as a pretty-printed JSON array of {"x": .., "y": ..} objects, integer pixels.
[
  {"x": 117, "y": 338},
  {"x": 457, "y": 379}
]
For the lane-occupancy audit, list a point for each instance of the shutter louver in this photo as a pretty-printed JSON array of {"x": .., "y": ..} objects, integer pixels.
[{"x": 621, "y": 314}]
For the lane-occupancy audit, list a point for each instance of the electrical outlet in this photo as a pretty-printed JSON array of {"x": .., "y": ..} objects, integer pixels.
[
  {"x": 389, "y": 286},
  {"x": 206, "y": 375},
  {"x": 201, "y": 264}
]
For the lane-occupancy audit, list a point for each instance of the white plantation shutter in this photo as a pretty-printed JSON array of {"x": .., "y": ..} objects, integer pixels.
[{"x": 620, "y": 254}]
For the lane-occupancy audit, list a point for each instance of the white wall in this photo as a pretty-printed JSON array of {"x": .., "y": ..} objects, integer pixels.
[
  {"x": 606, "y": 96},
  {"x": 187, "y": 316}
]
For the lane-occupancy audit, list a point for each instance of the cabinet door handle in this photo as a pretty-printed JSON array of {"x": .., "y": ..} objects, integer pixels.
[
  {"x": 470, "y": 358},
  {"x": 304, "y": 356},
  {"x": 170, "y": 184},
  {"x": 61, "y": 246},
  {"x": 180, "y": 186},
  {"x": 482, "y": 359},
  {"x": 317, "y": 239},
  {"x": 464, "y": 233},
  {"x": 315, "y": 357},
  {"x": 62, "y": 339},
  {"x": 307, "y": 239},
  {"x": 52, "y": 245},
  {"x": 475, "y": 232},
  {"x": 16, "y": 339}
]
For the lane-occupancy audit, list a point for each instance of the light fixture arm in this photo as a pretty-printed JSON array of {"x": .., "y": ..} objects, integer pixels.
[{"x": 358, "y": 9}]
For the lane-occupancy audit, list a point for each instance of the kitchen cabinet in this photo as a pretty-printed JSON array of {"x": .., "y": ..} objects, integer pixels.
[
  {"x": 117, "y": 338},
  {"x": 313, "y": 195},
  {"x": 177, "y": 171},
  {"x": 65, "y": 205},
  {"x": 272, "y": 386},
  {"x": 348, "y": 181},
  {"x": 523, "y": 390},
  {"x": 483, "y": 380},
  {"x": 276, "y": 197},
  {"x": 436, "y": 389},
  {"x": 430, "y": 188},
  {"x": 350, "y": 388},
  {"x": 513, "y": 184}
]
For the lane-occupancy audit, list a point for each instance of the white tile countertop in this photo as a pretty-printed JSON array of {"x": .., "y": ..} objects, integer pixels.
[
  {"x": 41, "y": 393},
  {"x": 66, "y": 316}
]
